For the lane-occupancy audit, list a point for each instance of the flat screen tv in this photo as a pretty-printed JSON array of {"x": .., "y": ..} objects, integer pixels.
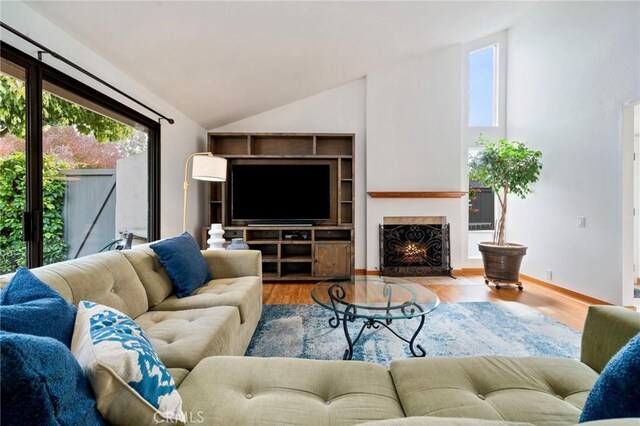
[{"x": 280, "y": 193}]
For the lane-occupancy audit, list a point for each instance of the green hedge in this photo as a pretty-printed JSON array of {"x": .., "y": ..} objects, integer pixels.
[{"x": 12, "y": 204}]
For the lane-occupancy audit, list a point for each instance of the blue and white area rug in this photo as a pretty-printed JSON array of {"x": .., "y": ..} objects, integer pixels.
[{"x": 453, "y": 329}]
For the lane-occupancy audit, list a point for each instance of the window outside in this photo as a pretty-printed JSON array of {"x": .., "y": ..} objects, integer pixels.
[
  {"x": 13, "y": 176},
  {"x": 95, "y": 176},
  {"x": 483, "y": 104}
]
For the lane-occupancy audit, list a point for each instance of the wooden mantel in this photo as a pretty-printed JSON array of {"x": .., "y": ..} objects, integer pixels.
[{"x": 416, "y": 194}]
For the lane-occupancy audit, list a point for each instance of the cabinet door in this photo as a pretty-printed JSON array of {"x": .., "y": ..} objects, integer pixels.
[{"x": 332, "y": 259}]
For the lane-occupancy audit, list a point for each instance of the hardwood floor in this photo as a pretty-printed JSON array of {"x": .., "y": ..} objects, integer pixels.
[{"x": 564, "y": 308}]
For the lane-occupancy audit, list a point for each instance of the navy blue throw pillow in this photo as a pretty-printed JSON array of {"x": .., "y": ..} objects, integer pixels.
[
  {"x": 184, "y": 263},
  {"x": 29, "y": 306},
  {"x": 42, "y": 384},
  {"x": 616, "y": 393}
]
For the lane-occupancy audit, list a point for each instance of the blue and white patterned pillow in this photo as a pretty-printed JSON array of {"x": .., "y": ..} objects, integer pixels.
[{"x": 120, "y": 361}]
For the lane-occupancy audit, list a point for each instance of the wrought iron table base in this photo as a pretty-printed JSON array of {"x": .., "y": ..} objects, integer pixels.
[{"x": 350, "y": 316}]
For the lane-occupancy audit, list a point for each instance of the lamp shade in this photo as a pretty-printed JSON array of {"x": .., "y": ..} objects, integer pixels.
[{"x": 209, "y": 167}]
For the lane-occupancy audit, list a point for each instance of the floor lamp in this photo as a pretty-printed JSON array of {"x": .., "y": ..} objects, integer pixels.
[{"x": 207, "y": 167}]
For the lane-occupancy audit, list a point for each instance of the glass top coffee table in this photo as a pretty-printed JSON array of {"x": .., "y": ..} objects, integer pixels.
[{"x": 378, "y": 301}]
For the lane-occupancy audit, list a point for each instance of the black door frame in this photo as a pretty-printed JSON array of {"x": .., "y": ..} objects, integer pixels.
[{"x": 36, "y": 72}]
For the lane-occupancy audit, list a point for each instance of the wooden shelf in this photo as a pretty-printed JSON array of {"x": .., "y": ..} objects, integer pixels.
[
  {"x": 327, "y": 244},
  {"x": 416, "y": 194}
]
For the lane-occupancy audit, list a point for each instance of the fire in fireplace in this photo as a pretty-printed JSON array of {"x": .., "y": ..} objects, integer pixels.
[{"x": 414, "y": 252}]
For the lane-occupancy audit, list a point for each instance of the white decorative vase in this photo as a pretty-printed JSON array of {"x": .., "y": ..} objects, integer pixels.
[{"x": 215, "y": 233}]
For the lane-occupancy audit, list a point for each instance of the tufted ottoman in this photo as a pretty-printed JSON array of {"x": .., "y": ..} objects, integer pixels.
[
  {"x": 287, "y": 391},
  {"x": 543, "y": 391}
]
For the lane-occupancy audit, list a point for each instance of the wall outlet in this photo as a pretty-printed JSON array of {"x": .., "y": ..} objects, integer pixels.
[
  {"x": 548, "y": 274},
  {"x": 582, "y": 222}
]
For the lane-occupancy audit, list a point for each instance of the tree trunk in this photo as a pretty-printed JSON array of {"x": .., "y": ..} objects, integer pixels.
[{"x": 503, "y": 217}]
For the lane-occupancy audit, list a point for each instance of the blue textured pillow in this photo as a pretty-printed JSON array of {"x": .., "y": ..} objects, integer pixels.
[
  {"x": 184, "y": 263},
  {"x": 43, "y": 384},
  {"x": 29, "y": 306},
  {"x": 616, "y": 393}
]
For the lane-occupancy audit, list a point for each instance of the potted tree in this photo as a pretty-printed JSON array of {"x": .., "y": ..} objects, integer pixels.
[{"x": 507, "y": 167}]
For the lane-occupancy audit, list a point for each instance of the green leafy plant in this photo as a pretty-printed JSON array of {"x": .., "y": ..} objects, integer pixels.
[
  {"x": 55, "y": 112},
  {"x": 505, "y": 167},
  {"x": 12, "y": 204},
  {"x": 473, "y": 196}
]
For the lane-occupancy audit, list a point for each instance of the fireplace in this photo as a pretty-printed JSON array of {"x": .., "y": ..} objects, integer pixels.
[{"x": 415, "y": 246}]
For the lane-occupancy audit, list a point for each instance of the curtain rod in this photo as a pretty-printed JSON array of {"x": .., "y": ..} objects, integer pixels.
[{"x": 82, "y": 70}]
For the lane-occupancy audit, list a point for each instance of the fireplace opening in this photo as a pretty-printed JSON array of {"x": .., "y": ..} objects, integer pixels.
[{"x": 415, "y": 249}]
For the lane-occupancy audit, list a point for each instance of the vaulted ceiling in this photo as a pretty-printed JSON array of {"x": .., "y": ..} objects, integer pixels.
[{"x": 219, "y": 62}]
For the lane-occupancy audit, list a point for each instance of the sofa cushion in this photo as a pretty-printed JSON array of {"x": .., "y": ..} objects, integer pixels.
[
  {"x": 130, "y": 382},
  {"x": 49, "y": 277},
  {"x": 178, "y": 374},
  {"x": 42, "y": 384},
  {"x": 606, "y": 330},
  {"x": 245, "y": 293},
  {"x": 106, "y": 278},
  {"x": 152, "y": 274},
  {"x": 184, "y": 263},
  {"x": 234, "y": 263},
  {"x": 287, "y": 391},
  {"x": 528, "y": 389},
  {"x": 617, "y": 390},
  {"x": 449, "y": 421},
  {"x": 442, "y": 421},
  {"x": 183, "y": 338},
  {"x": 29, "y": 306}
]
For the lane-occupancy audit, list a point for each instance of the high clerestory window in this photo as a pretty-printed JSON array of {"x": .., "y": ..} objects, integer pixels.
[{"x": 483, "y": 87}]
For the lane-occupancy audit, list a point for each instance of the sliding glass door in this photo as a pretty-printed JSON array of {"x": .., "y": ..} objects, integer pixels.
[
  {"x": 13, "y": 176},
  {"x": 80, "y": 172},
  {"x": 95, "y": 177}
]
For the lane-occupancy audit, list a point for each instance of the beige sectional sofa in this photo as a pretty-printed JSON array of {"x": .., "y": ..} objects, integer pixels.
[
  {"x": 218, "y": 319},
  {"x": 201, "y": 338},
  {"x": 430, "y": 391}
]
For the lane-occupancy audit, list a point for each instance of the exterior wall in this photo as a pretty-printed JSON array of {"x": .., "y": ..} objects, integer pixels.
[
  {"x": 131, "y": 195},
  {"x": 572, "y": 67},
  {"x": 89, "y": 210}
]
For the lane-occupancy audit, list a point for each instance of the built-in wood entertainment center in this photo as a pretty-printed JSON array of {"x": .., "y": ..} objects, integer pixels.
[{"x": 290, "y": 251}]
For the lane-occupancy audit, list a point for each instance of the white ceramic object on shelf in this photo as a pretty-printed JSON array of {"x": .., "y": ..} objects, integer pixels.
[{"x": 215, "y": 240}]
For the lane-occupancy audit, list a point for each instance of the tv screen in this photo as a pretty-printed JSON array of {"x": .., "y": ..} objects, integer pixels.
[{"x": 280, "y": 193}]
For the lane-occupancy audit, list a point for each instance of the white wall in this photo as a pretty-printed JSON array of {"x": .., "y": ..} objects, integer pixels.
[
  {"x": 132, "y": 206},
  {"x": 178, "y": 140},
  {"x": 572, "y": 66},
  {"x": 339, "y": 110},
  {"x": 411, "y": 114},
  {"x": 414, "y": 143}
]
